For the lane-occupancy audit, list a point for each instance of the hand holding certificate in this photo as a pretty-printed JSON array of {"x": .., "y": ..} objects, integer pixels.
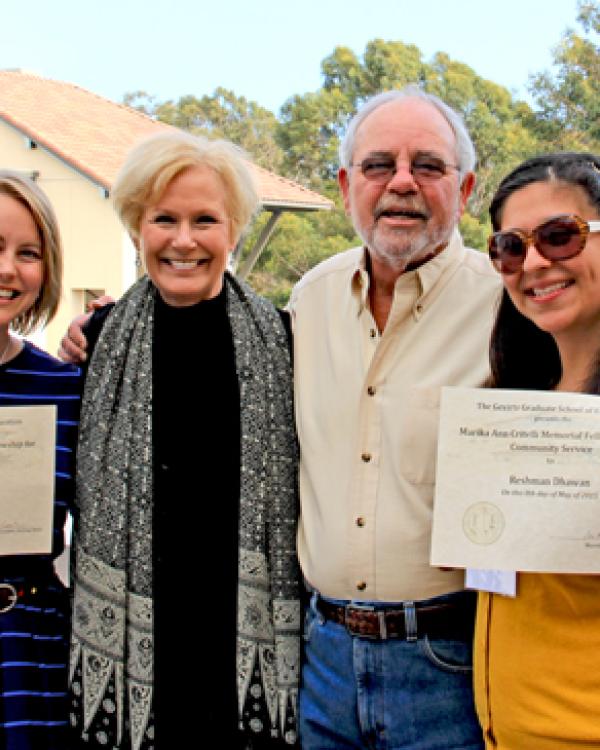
[
  {"x": 518, "y": 481},
  {"x": 27, "y": 445}
]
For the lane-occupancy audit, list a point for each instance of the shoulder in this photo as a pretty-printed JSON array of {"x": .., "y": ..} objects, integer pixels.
[
  {"x": 471, "y": 279},
  {"x": 469, "y": 270},
  {"x": 478, "y": 262},
  {"x": 37, "y": 377},
  {"x": 469, "y": 289},
  {"x": 479, "y": 282},
  {"x": 38, "y": 362},
  {"x": 339, "y": 267},
  {"x": 93, "y": 328}
]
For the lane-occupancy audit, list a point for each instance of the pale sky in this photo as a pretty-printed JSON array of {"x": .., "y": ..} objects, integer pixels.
[{"x": 266, "y": 50}]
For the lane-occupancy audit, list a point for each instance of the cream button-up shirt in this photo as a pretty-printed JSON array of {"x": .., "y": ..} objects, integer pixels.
[{"x": 367, "y": 413}]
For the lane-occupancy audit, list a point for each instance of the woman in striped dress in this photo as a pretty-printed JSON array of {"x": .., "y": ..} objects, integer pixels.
[{"x": 34, "y": 603}]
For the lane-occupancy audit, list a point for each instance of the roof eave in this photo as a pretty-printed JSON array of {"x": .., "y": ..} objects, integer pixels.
[
  {"x": 40, "y": 141},
  {"x": 269, "y": 204}
]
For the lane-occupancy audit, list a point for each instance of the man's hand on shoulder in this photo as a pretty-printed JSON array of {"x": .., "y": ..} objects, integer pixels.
[{"x": 73, "y": 344}]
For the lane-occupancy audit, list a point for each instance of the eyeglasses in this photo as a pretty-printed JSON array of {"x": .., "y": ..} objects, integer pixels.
[
  {"x": 424, "y": 169},
  {"x": 559, "y": 238}
]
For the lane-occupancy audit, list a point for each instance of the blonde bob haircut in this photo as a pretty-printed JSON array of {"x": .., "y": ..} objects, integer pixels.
[
  {"x": 26, "y": 192},
  {"x": 154, "y": 162}
]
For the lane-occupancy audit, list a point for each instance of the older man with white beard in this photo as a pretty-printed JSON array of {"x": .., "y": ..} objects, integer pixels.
[{"x": 378, "y": 330}]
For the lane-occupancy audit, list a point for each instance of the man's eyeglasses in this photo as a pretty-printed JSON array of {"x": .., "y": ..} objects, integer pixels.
[
  {"x": 559, "y": 238},
  {"x": 424, "y": 169}
]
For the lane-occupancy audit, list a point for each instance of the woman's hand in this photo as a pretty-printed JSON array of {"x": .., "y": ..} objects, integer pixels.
[{"x": 73, "y": 344}]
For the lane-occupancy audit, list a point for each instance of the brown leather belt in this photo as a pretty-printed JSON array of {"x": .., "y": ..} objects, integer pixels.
[{"x": 436, "y": 621}]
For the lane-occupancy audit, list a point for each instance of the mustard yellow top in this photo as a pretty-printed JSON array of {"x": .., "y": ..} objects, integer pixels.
[{"x": 537, "y": 664}]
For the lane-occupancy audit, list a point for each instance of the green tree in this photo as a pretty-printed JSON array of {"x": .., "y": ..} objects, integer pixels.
[
  {"x": 295, "y": 247},
  {"x": 391, "y": 65},
  {"x": 220, "y": 115},
  {"x": 140, "y": 100},
  {"x": 308, "y": 134},
  {"x": 303, "y": 142},
  {"x": 311, "y": 125},
  {"x": 568, "y": 98},
  {"x": 497, "y": 124}
]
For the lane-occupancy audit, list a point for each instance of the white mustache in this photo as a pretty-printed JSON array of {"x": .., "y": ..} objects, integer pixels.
[{"x": 392, "y": 205}]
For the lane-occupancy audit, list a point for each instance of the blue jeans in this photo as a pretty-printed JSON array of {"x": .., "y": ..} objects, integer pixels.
[{"x": 385, "y": 694}]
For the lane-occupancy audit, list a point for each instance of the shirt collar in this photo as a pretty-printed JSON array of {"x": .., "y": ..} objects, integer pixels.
[
  {"x": 436, "y": 268},
  {"x": 360, "y": 280},
  {"x": 427, "y": 274}
]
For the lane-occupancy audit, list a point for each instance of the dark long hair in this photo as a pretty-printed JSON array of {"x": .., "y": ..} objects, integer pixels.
[{"x": 522, "y": 355}]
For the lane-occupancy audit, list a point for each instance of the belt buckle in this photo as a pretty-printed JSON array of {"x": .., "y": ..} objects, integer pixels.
[
  {"x": 382, "y": 635},
  {"x": 8, "y": 594}
]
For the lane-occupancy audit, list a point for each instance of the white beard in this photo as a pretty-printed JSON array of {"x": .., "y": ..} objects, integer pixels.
[
  {"x": 396, "y": 248},
  {"x": 404, "y": 248}
]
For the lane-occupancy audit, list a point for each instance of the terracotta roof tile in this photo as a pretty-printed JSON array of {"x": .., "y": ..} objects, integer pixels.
[{"x": 94, "y": 134}]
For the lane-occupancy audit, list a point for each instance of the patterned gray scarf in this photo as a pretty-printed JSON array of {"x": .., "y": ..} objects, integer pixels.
[{"x": 112, "y": 643}]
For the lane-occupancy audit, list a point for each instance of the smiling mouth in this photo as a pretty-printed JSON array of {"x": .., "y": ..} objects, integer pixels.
[
  {"x": 546, "y": 290},
  {"x": 400, "y": 213},
  {"x": 8, "y": 293},
  {"x": 184, "y": 265}
]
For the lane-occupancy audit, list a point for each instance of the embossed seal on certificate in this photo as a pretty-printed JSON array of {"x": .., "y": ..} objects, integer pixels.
[{"x": 483, "y": 523}]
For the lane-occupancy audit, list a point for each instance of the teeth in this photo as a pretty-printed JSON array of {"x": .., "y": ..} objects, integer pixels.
[
  {"x": 183, "y": 265},
  {"x": 548, "y": 289},
  {"x": 6, "y": 293}
]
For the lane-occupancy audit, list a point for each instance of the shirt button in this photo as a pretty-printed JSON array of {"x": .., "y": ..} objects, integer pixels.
[
  {"x": 360, "y": 521},
  {"x": 361, "y": 585},
  {"x": 371, "y": 390},
  {"x": 366, "y": 457},
  {"x": 419, "y": 308},
  {"x": 373, "y": 333}
]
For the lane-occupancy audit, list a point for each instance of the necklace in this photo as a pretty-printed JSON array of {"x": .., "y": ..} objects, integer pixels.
[{"x": 5, "y": 350}]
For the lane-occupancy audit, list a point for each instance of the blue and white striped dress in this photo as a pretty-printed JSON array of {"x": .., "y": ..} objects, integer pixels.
[{"x": 34, "y": 635}]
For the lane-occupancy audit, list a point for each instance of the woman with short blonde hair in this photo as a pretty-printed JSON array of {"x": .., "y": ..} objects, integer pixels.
[
  {"x": 186, "y": 615},
  {"x": 154, "y": 162}
]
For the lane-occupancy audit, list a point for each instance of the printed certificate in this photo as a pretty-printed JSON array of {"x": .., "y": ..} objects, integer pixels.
[
  {"x": 27, "y": 454},
  {"x": 518, "y": 481}
]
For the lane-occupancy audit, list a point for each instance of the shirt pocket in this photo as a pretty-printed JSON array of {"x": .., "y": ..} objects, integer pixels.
[{"x": 418, "y": 433}]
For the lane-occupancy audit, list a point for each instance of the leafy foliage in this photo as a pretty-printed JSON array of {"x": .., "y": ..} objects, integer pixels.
[
  {"x": 568, "y": 102},
  {"x": 302, "y": 142},
  {"x": 221, "y": 115}
]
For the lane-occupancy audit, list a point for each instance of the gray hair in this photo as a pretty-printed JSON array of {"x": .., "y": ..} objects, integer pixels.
[{"x": 465, "y": 151}]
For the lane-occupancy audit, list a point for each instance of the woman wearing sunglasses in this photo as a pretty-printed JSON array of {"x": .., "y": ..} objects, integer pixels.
[{"x": 537, "y": 656}]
